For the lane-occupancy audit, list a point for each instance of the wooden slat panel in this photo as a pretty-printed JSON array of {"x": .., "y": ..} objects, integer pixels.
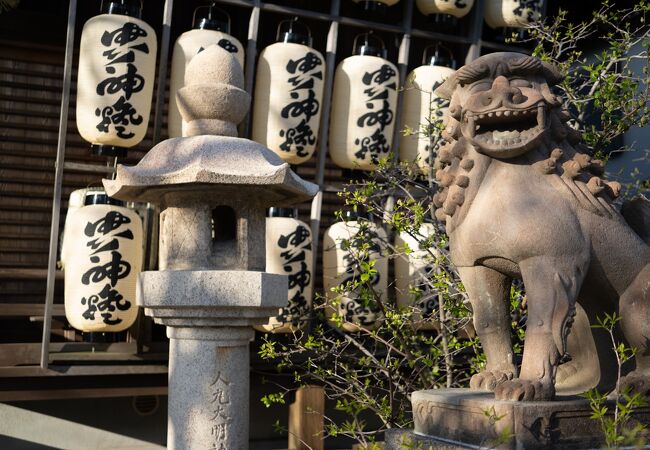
[
  {"x": 61, "y": 394},
  {"x": 81, "y": 370},
  {"x": 21, "y": 310},
  {"x": 29, "y": 110},
  {"x": 30, "y": 97},
  {"x": 65, "y": 352}
]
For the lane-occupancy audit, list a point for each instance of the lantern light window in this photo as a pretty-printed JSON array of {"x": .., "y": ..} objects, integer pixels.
[{"x": 224, "y": 224}]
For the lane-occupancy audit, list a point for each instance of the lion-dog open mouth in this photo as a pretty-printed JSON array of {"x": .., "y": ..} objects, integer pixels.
[{"x": 506, "y": 130}]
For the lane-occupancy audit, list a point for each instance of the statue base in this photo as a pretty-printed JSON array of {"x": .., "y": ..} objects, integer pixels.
[{"x": 462, "y": 418}]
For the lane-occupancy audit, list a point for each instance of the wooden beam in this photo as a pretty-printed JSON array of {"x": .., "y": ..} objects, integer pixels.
[
  {"x": 57, "y": 394},
  {"x": 7, "y": 273},
  {"x": 476, "y": 31},
  {"x": 22, "y": 51},
  {"x": 29, "y": 353},
  {"x": 306, "y": 419},
  {"x": 81, "y": 370},
  {"x": 81, "y": 167},
  {"x": 28, "y": 309},
  {"x": 107, "y": 356}
]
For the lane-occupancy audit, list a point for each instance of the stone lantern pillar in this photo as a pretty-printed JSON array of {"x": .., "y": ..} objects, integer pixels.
[{"x": 211, "y": 288}]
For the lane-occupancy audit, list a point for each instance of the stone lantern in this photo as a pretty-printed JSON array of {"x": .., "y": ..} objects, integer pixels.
[{"x": 211, "y": 288}]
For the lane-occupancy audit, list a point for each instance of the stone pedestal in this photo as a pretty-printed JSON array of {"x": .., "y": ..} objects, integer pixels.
[
  {"x": 208, "y": 388},
  {"x": 461, "y": 418},
  {"x": 209, "y": 316}
]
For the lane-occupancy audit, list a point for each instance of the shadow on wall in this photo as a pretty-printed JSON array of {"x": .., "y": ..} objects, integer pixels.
[
  {"x": 82, "y": 424},
  {"x": 21, "y": 444}
]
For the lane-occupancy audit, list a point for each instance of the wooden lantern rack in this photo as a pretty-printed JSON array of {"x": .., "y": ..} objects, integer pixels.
[{"x": 141, "y": 356}]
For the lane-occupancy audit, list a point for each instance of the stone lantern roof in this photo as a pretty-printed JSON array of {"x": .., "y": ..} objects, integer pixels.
[
  {"x": 209, "y": 159},
  {"x": 204, "y": 164}
]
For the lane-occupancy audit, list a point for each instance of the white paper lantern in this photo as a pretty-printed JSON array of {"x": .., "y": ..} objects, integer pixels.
[
  {"x": 456, "y": 8},
  {"x": 117, "y": 61},
  {"x": 512, "y": 13},
  {"x": 340, "y": 266},
  {"x": 421, "y": 105},
  {"x": 363, "y": 107},
  {"x": 289, "y": 252},
  {"x": 444, "y": 14},
  {"x": 103, "y": 257},
  {"x": 207, "y": 30},
  {"x": 288, "y": 96},
  {"x": 413, "y": 271},
  {"x": 76, "y": 200}
]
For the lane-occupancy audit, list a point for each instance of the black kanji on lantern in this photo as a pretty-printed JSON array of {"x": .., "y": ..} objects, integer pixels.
[
  {"x": 109, "y": 267},
  {"x": 122, "y": 47},
  {"x": 304, "y": 104},
  {"x": 379, "y": 114},
  {"x": 294, "y": 264}
]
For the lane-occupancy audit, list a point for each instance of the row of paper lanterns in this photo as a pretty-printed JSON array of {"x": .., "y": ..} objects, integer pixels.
[
  {"x": 497, "y": 13},
  {"x": 102, "y": 255},
  {"x": 345, "y": 307},
  {"x": 117, "y": 67},
  {"x": 115, "y": 84}
]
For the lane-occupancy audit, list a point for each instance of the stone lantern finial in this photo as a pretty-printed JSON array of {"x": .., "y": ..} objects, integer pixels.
[{"x": 213, "y": 100}]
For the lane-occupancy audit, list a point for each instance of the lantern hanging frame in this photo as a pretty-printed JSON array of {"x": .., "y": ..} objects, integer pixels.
[
  {"x": 437, "y": 59},
  {"x": 355, "y": 214},
  {"x": 275, "y": 211},
  {"x": 123, "y": 8},
  {"x": 443, "y": 21},
  {"x": 101, "y": 198},
  {"x": 294, "y": 37},
  {"x": 208, "y": 23},
  {"x": 369, "y": 50},
  {"x": 374, "y": 7}
]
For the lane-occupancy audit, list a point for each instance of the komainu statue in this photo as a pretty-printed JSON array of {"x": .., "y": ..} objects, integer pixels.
[{"x": 521, "y": 199}]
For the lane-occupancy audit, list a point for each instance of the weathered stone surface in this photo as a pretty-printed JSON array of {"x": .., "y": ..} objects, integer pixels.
[
  {"x": 401, "y": 439},
  {"x": 473, "y": 418},
  {"x": 205, "y": 165},
  {"x": 213, "y": 192},
  {"x": 214, "y": 65},
  {"x": 228, "y": 298},
  {"x": 187, "y": 226},
  {"x": 213, "y": 100},
  {"x": 197, "y": 106},
  {"x": 193, "y": 179},
  {"x": 209, "y": 317},
  {"x": 521, "y": 199},
  {"x": 208, "y": 388}
]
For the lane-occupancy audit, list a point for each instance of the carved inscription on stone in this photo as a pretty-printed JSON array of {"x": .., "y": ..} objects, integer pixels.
[{"x": 220, "y": 404}]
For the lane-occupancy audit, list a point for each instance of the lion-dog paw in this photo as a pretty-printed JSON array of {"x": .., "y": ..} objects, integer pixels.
[
  {"x": 488, "y": 380},
  {"x": 524, "y": 390},
  {"x": 636, "y": 383}
]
